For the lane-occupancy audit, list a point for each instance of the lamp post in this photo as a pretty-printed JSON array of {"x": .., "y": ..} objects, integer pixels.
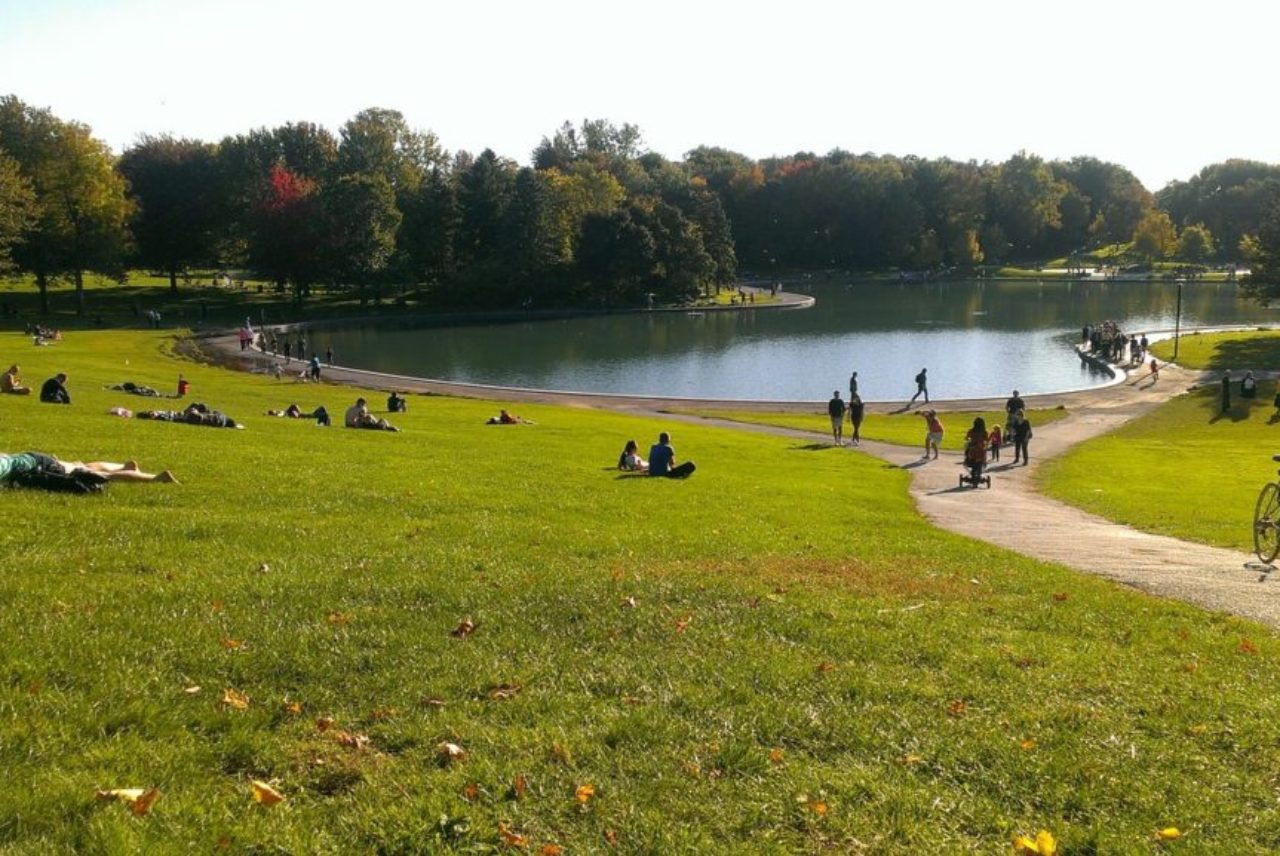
[{"x": 1177, "y": 321}]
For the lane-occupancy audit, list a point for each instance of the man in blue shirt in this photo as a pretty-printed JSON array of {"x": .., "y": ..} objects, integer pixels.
[{"x": 662, "y": 460}]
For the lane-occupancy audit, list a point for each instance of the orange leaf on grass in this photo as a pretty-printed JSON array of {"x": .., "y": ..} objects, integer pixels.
[
  {"x": 139, "y": 800},
  {"x": 511, "y": 839},
  {"x": 519, "y": 786},
  {"x": 1027, "y": 745},
  {"x": 232, "y": 644},
  {"x": 683, "y": 623},
  {"x": 776, "y": 754},
  {"x": 550, "y": 850},
  {"x": 141, "y": 807},
  {"x": 293, "y": 708},
  {"x": 1247, "y": 647},
  {"x": 234, "y": 699},
  {"x": 324, "y": 723},
  {"x": 502, "y": 692},
  {"x": 265, "y": 794},
  {"x": 470, "y": 791},
  {"x": 584, "y": 793},
  {"x": 464, "y": 629},
  {"x": 825, "y": 667},
  {"x": 956, "y": 708},
  {"x": 1059, "y": 596},
  {"x": 447, "y": 752},
  {"x": 350, "y": 740},
  {"x": 337, "y": 618}
]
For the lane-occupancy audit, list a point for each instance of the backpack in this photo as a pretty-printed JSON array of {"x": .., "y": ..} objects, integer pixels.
[{"x": 920, "y": 378}]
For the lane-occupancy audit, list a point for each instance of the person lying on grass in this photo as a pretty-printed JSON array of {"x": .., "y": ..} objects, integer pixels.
[
  {"x": 293, "y": 411},
  {"x": 135, "y": 389},
  {"x": 195, "y": 414},
  {"x": 505, "y": 418},
  {"x": 38, "y": 469}
]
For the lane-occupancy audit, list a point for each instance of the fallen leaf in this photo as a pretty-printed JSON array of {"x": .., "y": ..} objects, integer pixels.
[
  {"x": 1197, "y": 730},
  {"x": 324, "y": 723},
  {"x": 351, "y": 740},
  {"x": 519, "y": 786},
  {"x": 1169, "y": 833},
  {"x": 264, "y": 568},
  {"x": 191, "y": 690},
  {"x": 470, "y": 791},
  {"x": 464, "y": 629},
  {"x": 911, "y": 760},
  {"x": 234, "y": 699},
  {"x": 141, "y": 807},
  {"x": 550, "y": 850},
  {"x": 501, "y": 692},
  {"x": 819, "y": 808},
  {"x": 264, "y": 794},
  {"x": 381, "y": 714},
  {"x": 447, "y": 752},
  {"x": 337, "y": 618},
  {"x": 1043, "y": 844},
  {"x": 825, "y": 667},
  {"x": 232, "y": 644},
  {"x": 775, "y": 755},
  {"x": 1247, "y": 647},
  {"x": 128, "y": 795},
  {"x": 584, "y": 793},
  {"x": 630, "y": 603},
  {"x": 1059, "y": 596},
  {"x": 956, "y": 708},
  {"x": 683, "y": 623},
  {"x": 215, "y": 606},
  {"x": 1027, "y": 745},
  {"x": 511, "y": 839},
  {"x": 293, "y": 708},
  {"x": 433, "y": 702},
  {"x": 632, "y": 700},
  {"x": 1190, "y": 668},
  {"x": 611, "y": 837}
]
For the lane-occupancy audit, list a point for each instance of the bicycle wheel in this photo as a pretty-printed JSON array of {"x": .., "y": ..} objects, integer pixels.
[{"x": 1266, "y": 523}]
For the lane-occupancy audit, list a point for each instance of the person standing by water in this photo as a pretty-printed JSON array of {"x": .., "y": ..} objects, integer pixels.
[
  {"x": 853, "y": 386},
  {"x": 835, "y": 409},
  {"x": 1226, "y": 391},
  {"x": 856, "y": 410},
  {"x": 1021, "y": 438},
  {"x": 922, "y": 387}
]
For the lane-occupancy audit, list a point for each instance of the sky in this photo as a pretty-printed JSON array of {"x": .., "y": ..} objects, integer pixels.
[{"x": 1162, "y": 89}]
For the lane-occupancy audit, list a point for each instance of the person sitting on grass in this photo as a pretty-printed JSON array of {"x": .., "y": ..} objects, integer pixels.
[
  {"x": 630, "y": 460},
  {"x": 396, "y": 403},
  {"x": 11, "y": 384},
  {"x": 54, "y": 390},
  {"x": 505, "y": 418},
  {"x": 38, "y": 469},
  {"x": 358, "y": 416},
  {"x": 662, "y": 460}
]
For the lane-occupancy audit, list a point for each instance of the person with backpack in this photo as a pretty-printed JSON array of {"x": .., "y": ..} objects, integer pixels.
[
  {"x": 922, "y": 387},
  {"x": 835, "y": 409}
]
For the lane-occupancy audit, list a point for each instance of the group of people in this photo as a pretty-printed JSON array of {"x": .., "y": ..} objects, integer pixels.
[
  {"x": 52, "y": 391},
  {"x": 662, "y": 460},
  {"x": 1110, "y": 342},
  {"x": 837, "y": 408}
]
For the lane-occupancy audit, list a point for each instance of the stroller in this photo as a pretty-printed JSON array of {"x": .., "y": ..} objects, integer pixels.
[{"x": 975, "y": 461}]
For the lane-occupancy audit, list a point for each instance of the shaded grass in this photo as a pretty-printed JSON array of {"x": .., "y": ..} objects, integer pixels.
[
  {"x": 903, "y": 429},
  {"x": 715, "y": 657}
]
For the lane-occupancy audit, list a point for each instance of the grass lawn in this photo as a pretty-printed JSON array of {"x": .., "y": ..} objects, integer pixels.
[
  {"x": 777, "y": 655},
  {"x": 904, "y": 429},
  {"x": 1236, "y": 352}
]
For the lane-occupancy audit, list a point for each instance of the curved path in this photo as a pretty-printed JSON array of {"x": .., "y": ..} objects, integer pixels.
[{"x": 1210, "y": 577}]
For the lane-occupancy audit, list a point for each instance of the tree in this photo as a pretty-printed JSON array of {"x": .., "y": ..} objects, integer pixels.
[
  {"x": 172, "y": 183},
  {"x": 1025, "y": 199},
  {"x": 361, "y": 220},
  {"x": 427, "y": 232},
  {"x": 1195, "y": 244},
  {"x": 1263, "y": 253},
  {"x": 81, "y": 208},
  {"x": 288, "y": 240},
  {"x": 380, "y": 142},
  {"x": 1155, "y": 237},
  {"x": 17, "y": 209}
]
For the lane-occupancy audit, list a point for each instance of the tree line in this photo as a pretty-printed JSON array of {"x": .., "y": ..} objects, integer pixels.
[{"x": 594, "y": 219}]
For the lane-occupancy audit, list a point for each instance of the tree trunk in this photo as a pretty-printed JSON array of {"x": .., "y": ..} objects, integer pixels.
[
  {"x": 173, "y": 280},
  {"x": 80, "y": 292},
  {"x": 42, "y": 282}
]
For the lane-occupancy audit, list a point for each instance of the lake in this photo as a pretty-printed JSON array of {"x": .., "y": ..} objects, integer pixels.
[{"x": 977, "y": 338}]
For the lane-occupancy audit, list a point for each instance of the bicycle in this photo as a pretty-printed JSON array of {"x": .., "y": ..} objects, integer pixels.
[{"x": 1266, "y": 520}]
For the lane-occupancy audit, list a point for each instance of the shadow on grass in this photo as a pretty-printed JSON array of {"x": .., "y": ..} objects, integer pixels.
[
  {"x": 1241, "y": 354},
  {"x": 1239, "y": 408},
  {"x": 813, "y": 447}
]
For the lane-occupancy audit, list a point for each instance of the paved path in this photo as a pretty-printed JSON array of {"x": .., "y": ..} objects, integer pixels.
[{"x": 1216, "y": 579}]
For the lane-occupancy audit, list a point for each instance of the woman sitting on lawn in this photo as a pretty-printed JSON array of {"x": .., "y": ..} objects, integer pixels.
[
  {"x": 12, "y": 384},
  {"x": 630, "y": 459}
]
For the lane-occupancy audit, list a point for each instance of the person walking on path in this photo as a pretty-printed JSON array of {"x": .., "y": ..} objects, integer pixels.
[
  {"x": 922, "y": 387},
  {"x": 856, "y": 410},
  {"x": 1226, "y": 391},
  {"x": 1155, "y": 370},
  {"x": 315, "y": 367},
  {"x": 835, "y": 409},
  {"x": 1014, "y": 404},
  {"x": 1021, "y": 438},
  {"x": 933, "y": 433}
]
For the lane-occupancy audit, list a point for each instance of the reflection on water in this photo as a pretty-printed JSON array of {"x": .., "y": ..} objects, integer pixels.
[{"x": 976, "y": 338}]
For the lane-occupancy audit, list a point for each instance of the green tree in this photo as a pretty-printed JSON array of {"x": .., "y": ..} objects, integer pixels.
[
  {"x": 380, "y": 142},
  {"x": 361, "y": 220},
  {"x": 1263, "y": 253},
  {"x": 82, "y": 211},
  {"x": 428, "y": 230},
  {"x": 1025, "y": 200},
  {"x": 1195, "y": 244},
  {"x": 173, "y": 184},
  {"x": 17, "y": 209},
  {"x": 1155, "y": 237}
]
